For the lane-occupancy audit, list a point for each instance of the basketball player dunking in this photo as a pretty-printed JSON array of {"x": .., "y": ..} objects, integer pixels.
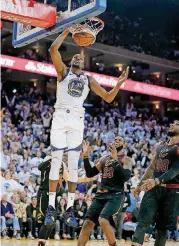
[{"x": 73, "y": 87}]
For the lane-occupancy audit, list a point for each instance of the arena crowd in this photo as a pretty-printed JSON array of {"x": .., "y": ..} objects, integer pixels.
[{"x": 26, "y": 120}]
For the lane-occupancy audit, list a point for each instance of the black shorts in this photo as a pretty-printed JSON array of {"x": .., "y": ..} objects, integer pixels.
[
  {"x": 105, "y": 205},
  {"x": 160, "y": 205},
  {"x": 42, "y": 203}
]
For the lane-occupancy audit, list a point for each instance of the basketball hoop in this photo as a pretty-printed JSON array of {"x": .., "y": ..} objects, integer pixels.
[
  {"x": 29, "y": 12},
  {"x": 84, "y": 34}
]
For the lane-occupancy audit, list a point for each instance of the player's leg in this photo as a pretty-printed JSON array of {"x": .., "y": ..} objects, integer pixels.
[
  {"x": 148, "y": 211},
  {"x": 167, "y": 216},
  {"x": 161, "y": 238},
  {"x": 58, "y": 145},
  {"x": 88, "y": 225},
  {"x": 74, "y": 144},
  {"x": 112, "y": 207},
  {"x": 45, "y": 231},
  {"x": 92, "y": 216}
]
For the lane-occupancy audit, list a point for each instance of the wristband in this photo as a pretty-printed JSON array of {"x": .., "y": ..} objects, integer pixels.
[{"x": 157, "y": 182}]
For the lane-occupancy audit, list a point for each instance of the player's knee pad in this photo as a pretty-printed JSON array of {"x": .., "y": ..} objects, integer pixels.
[
  {"x": 55, "y": 164},
  {"x": 73, "y": 158}
]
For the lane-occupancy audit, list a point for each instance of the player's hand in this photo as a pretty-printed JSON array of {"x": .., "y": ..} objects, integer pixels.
[
  {"x": 85, "y": 148},
  {"x": 113, "y": 151},
  {"x": 137, "y": 192},
  {"x": 80, "y": 213},
  {"x": 123, "y": 76},
  {"x": 148, "y": 184}
]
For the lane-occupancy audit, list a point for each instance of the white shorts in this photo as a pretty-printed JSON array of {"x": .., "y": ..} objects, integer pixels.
[{"x": 67, "y": 129}]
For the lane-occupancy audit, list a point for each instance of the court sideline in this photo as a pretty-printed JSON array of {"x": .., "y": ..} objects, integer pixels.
[{"x": 23, "y": 242}]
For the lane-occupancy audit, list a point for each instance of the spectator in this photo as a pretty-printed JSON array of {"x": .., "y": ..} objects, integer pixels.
[
  {"x": 10, "y": 185},
  {"x": 60, "y": 225},
  {"x": 31, "y": 211},
  {"x": 23, "y": 175},
  {"x": 8, "y": 218},
  {"x": 34, "y": 164},
  {"x": 80, "y": 206}
]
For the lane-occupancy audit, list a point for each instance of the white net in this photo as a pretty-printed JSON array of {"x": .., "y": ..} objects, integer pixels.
[{"x": 91, "y": 25}]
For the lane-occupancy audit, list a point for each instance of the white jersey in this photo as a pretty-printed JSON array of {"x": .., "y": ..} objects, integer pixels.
[{"x": 72, "y": 91}]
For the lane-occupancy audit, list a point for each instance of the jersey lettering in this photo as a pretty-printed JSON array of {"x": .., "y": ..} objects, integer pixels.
[
  {"x": 108, "y": 172},
  {"x": 163, "y": 153}
]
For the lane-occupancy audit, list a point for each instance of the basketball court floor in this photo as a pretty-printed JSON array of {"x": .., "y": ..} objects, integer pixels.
[{"x": 25, "y": 242}]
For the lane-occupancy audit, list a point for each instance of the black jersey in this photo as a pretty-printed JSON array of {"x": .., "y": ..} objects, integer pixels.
[
  {"x": 166, "y": 157},
  {"x": 113, "y": 174},
  {"x": 44, "y": 167}
]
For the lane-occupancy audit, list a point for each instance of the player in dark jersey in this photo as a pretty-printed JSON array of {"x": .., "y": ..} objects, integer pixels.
[
  {"x": 42, "y": 199},
  {"x": 161, "y": 181},
  {"x": 42, "y": 196},
  {"x": 110, "y": 197}
]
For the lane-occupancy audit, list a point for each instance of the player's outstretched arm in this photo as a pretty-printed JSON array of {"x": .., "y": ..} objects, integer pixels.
[
  {"x": 55, "y": 54},
  {"x": 45, "y": 164},
  {"x": 164, "y": 178},
  {"x": 90, "y": 171},
  {"x": 108, "y": 96},
  {"x": 147, "y": 175}
]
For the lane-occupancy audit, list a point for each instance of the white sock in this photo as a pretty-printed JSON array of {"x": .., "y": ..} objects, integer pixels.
[
  {"x": 52, "y": 196},
  {"x": 71, "y": 199}
]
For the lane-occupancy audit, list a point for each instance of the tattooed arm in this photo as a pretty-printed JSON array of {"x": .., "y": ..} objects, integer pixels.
[
  {"x": 149, "y": 172},
  {"x": 164, "y": 178}
]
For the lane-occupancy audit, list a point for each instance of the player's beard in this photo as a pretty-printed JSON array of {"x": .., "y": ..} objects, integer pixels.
[
  {"x": 119, "y": 148},
  {"x": 173, "y": 134},
  {"x": 77, "y": 65}
]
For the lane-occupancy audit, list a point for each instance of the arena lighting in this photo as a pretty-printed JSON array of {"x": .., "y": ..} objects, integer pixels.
[{"x": 104, "y": 80}]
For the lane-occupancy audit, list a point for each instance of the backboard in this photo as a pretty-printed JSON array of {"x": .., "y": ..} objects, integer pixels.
[{"x": 68, "y": 12}]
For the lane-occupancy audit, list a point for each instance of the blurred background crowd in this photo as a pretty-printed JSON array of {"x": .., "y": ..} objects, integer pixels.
[{"x": 26, "y": 120}]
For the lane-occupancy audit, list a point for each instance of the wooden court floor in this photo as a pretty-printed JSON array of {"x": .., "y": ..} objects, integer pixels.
[{"x": 25, "y": 242}]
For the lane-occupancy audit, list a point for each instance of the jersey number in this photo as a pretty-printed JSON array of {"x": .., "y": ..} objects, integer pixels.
[
  {"x": 108, "y": 172},
  {"x": 162, "y": 165}
]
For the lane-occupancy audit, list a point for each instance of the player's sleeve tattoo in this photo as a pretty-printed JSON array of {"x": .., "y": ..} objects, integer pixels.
[{"x": 149, "y": 172}]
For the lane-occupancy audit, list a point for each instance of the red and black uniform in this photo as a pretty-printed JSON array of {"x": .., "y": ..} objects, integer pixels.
[
  {"x": 160, "y": 204},
  {"x": 110, "y": 197}
]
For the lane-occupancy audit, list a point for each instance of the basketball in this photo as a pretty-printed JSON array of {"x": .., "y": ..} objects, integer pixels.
[{"x": 83, "y": 38}]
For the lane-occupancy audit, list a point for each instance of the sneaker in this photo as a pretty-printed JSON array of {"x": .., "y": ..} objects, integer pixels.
[
  {"x": 69, "y": 218},
  {"x": 64, "y": 236},
  {"x": 41, "y": 243},
  {"x": 18, "y": 236},
  {"x": 99, "y": 237},
  {"x": 57, "y": 237},
  {"x": 92, "y": 237},
  {"x": 104, "y": 237},
  {"x": 151, "y": 239},
  {"x": 122, "y": 241},
  {"x": 30, "y": 236},
  {"x": 4, "y": 236},
  {"x": 50, "y": 216}
]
